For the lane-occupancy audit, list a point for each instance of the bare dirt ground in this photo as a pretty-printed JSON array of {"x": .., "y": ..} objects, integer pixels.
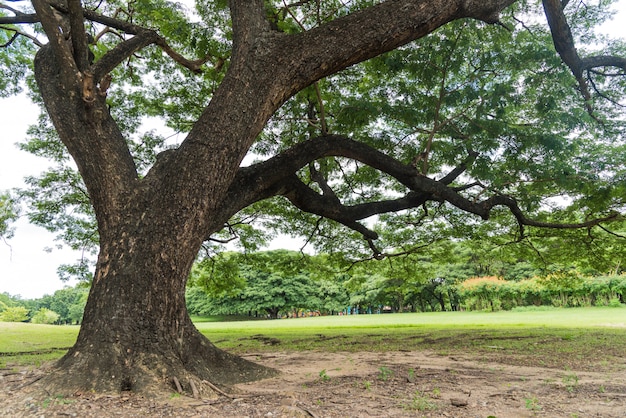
[{"x": 361, "y": 384}]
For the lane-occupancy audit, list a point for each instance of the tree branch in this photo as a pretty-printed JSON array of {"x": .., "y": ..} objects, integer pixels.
[
  {"x": 564, "y": 45},
  {"x": 308, "y": 200},
  {"x": 143, "y": 37},
  {"x": 460, "y": 169},
  {"x": 256, "y": 181},
  {"x": 17, "y": 33},
  {"x": 249, "y": 22},
  {"x": 276, "y": 176},
  {"x": 58, "y": 42},
  {"x": 193, "y": 65},
  {"x": 589, "y": 63},
  {"x": 79, "y": 36},
  {"x": 333, "y": 46},
  {"x": 317, "y": 177},
  {"x": 123, "y": 51},
  {"x": 562, "y": 36},
  {"x": 19, "y": 18}
]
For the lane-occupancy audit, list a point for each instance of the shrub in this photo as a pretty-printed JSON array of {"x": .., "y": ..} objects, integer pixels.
[
  {"x": 474, "y": 282},
  {"x": 482, "y": 293},
  {"x": 14, "y": 314},
  {"x": 45, "y": 316}
]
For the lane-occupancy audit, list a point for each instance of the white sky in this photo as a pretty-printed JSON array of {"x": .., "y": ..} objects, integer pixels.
[{"x": 26, "y": 267}]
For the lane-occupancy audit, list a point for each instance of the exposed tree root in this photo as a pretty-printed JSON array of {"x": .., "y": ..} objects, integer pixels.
[{"x": 199, "y": 373}]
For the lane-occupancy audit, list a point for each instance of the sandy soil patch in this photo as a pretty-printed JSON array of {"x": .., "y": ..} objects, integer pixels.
[{"x": 362, "y": 384}]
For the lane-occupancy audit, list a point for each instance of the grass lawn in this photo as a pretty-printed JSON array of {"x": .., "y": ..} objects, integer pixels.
[
  {"x": 563, "y": 338},
  {"x": 26, "y": 344},
  {"x": 572, "y": 317},
  {"x": 556, "y": 337}
]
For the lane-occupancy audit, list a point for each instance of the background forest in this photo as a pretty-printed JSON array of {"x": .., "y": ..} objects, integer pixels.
[{"x": 281, "y": 283}]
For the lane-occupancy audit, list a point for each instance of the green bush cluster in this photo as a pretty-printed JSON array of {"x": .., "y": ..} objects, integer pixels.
[
  {"x": 560, "y": 289},
  {"x": 14, "y": 314},
  {"x": 45, "y": 316}
]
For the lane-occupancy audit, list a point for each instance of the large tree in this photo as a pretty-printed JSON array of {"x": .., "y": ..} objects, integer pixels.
[{"x": 478, "y": 117}]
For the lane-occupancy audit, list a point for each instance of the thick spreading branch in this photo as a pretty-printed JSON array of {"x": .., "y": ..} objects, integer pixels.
[
  {"x": 345, "y": 41},
  {"x": 307, "y": 200},
  {"x": 277, "y": 176},
  {"x": 58, "y": 41},
  {"x": 249, "y": 21},
  {"x": 562, "y": 36},
  {"x": 597, "y": 61},
  {"x": 566, "y": 48}
]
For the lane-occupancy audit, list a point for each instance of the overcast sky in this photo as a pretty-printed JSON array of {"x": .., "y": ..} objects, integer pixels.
[{"x": 29, "y": 261}]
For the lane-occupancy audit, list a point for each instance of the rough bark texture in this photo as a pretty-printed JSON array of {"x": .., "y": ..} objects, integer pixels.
[{"x": 136, "y": 333}]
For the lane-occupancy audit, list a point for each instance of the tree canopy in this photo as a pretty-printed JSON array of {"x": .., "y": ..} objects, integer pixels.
[
  {"x": 495, "y": 114},
  {"x": 265, "y": 284},
  {"x": 371, "y": 127}
]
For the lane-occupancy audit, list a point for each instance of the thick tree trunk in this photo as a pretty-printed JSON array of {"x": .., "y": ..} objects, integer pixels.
[{"x": 136, "y": 332}]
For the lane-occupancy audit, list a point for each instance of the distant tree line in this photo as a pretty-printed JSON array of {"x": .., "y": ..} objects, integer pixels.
[
  {"x": 272, "y": 284},
  {"x": 287, "y": 283},
  {"x": 65, "y": 306}
]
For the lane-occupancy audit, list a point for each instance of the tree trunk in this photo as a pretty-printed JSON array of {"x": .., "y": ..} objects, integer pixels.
[
  {"x": 273, "y": 312},
  {"x": 136, "y": 332}
]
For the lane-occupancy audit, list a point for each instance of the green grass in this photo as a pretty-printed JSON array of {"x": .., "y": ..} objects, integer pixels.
[
  {"x": 573, "y": 317},
  {"x": 223, "y": 318},
  {"x": 20, "y": 337},
  {"x": 33, "y": 344},
  {"x": 576, "y": 338},
  {"x": 582, "y": 338}
]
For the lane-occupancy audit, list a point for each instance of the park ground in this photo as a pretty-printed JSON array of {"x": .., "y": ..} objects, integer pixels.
[{"x": 563, "y": 363}]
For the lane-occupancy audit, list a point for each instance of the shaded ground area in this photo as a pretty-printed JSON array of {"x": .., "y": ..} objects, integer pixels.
[{"x": 365, "y": 384}]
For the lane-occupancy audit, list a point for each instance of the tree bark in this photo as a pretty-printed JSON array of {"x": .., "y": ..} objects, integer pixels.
[{"x": 136, "y": 333}]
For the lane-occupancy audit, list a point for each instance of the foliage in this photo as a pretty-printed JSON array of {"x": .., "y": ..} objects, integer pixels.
[
  {"x": 502, "y": 93},
  {"x": 68, "y": 303},
  {"x": 281, "y": 281},
  {"x": 8, "y": 214},
  {"x": 270, "y": 282},
  {"x": 14, "y": 314},
  {"x": 561, "y": 289},
  {"x": 65, "y": 306},
  {"x": 45, "y": 316},
  {"x": 474, "y": 282},
  {"x": 7, "y": 301}
]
